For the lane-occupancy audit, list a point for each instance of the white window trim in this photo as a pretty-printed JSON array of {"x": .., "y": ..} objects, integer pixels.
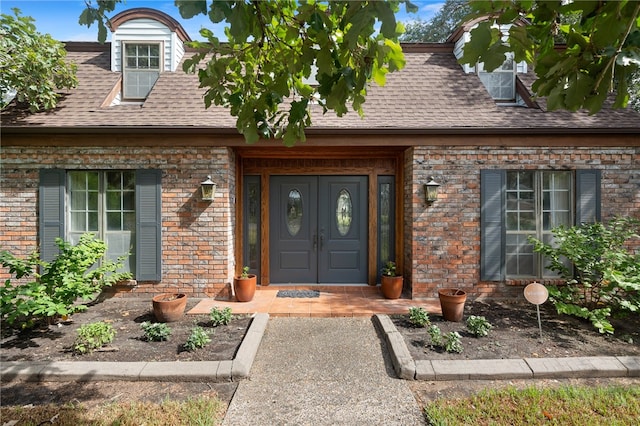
[{"x": 124, "y": 43}]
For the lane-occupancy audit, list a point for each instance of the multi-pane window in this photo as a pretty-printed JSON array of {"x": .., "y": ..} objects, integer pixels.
[
  {"x": 104, "y": 203},
  {"x": 537, "y": 202},
  {"x": 141, "y": 66},
  {"x": 501, "y": 82}
]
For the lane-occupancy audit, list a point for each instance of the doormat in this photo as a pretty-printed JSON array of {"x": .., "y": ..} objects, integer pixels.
[{"x": 298, "y": 293}]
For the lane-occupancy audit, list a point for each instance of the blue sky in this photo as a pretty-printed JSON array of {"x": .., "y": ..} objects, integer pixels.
[{"x": 60, "y": 17}]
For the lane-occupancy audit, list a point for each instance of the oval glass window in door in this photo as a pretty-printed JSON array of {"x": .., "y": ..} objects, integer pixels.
[
  {"x": 344, "y": 212},
  {"x": 294, "y": 212}
]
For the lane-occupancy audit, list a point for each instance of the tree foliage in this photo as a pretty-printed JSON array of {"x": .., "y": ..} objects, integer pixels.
[
  {"x": 602, "y": 47},
  {"x": 440, "y": 26},
  {"x": 264, "y": 72},
  {"x": 33, "y": 65}
]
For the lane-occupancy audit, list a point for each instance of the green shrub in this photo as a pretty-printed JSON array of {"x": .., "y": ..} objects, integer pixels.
[
  {"x": 435, "y": 335},
  {"x": 77, "y": 273},
  {"x": 197, "y": 339},
  {"x": 93, "y": 336},
  {"x": 220, "y": 316},
  {"x": 452, "y": 342},
  {"x": 478, "y": 325},
  {"x": 601, "y": 273},
  {"x": 156, "y": 331},
  {"x": 418, "y": 316}
]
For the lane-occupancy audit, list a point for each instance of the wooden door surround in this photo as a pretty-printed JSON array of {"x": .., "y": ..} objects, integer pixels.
[{"x": 369, "y": 161}]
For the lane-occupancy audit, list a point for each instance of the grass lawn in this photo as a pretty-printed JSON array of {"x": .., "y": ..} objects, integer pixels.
[
  {"x": 567, "y": 405},
  {"x": 196, "y": 411}
]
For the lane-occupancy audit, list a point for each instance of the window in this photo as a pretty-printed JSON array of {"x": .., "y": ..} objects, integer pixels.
[
  {"x": 516, "y": 204},
  {"x": 501, "y": 82},
  {"x": 104, "y": 203},
  {"x": 123, "y": 208},
  {"x": 141, "y": 69},
  {"x": 537, "y": 201}
]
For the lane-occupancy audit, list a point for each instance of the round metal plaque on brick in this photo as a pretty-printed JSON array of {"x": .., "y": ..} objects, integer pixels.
[{"x": 536, "y": 293}]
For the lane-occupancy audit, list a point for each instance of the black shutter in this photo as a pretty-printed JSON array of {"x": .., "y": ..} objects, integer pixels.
[
  {"x": 492, "y": 225},
  {"x": 51, "y": 211},
  {"x": 587, "y": 196},
  {"x": 148, "y": 225}
]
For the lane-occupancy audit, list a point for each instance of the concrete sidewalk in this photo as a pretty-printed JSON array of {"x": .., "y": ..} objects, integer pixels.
[{"x": 323, "y": 371}]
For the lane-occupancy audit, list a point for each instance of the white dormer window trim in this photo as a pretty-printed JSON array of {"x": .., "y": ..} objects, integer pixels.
[{"x": 142, "y": 63}]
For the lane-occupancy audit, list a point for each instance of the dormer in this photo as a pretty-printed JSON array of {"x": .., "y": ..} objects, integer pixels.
[
  {"x": 501, "y": 83},
  {"x": 144, "y": 43}
]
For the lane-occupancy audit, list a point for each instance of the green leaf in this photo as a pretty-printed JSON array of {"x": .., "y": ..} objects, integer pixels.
[{"x": 190, "y": 8}]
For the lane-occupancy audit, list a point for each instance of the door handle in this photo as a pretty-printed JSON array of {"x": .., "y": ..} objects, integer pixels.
[
  {"x": 315, "y": 242},
  {"x": 321, "y": 240}
]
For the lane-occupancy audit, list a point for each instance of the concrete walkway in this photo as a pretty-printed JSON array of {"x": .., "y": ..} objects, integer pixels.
[{"x": 322, "y": 371}]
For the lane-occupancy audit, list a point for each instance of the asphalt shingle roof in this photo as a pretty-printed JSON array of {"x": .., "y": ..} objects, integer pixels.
[{"x": 431, "y": 93}]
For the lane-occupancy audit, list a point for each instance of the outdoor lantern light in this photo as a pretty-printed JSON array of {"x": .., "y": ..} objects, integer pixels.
[
  {"x": 208, "y": 189},
  {"x": 431, "y": 191}
]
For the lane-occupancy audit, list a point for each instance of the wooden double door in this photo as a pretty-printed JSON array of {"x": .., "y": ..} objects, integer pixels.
[{"x": 318, "y": 229}]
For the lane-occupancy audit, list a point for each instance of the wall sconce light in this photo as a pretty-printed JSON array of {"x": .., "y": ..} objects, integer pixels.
[
  {"x": 208, "y": 188},
  {"x": 431, "y": 191}
]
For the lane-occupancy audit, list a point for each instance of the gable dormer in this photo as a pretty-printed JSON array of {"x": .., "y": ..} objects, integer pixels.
[
  {"x": 501, "y": 83},
  {"x": 144, "y": 43}
]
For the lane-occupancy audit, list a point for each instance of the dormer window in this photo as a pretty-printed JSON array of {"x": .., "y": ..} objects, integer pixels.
[
  {"x": 141, "y": 68},
  {"x": 501, "y": 82}
]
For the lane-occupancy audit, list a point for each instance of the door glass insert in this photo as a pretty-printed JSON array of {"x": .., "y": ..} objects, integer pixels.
[
  {"x": 294, "y": 212},
  {"x": 344, "y": 212}
]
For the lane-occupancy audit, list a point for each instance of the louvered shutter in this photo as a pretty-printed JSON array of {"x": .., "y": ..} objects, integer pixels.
[
  {"x": 148, "y": 225},
  {"x": 51, "y": 211},
  {"x": 587, "y": 196},
  {"x": 492, "y": 225}
]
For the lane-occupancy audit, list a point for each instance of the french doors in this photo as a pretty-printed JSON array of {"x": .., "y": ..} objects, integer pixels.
[{"x": 318, "y": 229}]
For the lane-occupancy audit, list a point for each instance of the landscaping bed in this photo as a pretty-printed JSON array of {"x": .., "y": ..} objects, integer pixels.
[
  {"x": 515, "y": 334},
  {"x": 54, "y": 342}
]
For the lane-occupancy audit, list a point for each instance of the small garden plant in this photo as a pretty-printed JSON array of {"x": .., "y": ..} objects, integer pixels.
[
  {"x": 155, "y": 331},
  {"x": 450, "y": 342},
  {"x": 197, "y": 339},
  {"x": 245, "y": 272},
  {"x": 418, "y": 316},
  {"x": 93, "y": 336},
  {"x": 220, "y": 316},
  {"x": 478, "y": 325},
  {"x": 389, "y": 269}
]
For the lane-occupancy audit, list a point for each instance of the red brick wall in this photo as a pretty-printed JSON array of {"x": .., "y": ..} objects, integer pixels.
[
  {"x": 443, "y": 245},
  {"x": 441, "y": 241},
  {"x": 197, "y": 236}
]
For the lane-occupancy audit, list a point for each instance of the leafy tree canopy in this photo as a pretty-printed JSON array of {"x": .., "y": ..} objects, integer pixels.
[
  {"x": 274, "y": 51},
  {"x": 33, "y": 65},
  {"x": 440, "y": 26},
  {"x": 602, "y": 47}
]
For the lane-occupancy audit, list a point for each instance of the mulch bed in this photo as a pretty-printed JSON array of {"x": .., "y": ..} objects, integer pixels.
[
  {"x": 54, "y": 342},
  {"x": 515, "y": 334}
]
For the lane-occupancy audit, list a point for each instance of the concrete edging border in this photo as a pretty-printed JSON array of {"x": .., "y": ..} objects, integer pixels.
[
  {"x": 500, "y": 369},
  {"x": 84, "y": 371}
]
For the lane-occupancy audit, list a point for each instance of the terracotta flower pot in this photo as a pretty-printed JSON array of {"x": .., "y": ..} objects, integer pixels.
[
  {"x": 391, "y": 286},
  {"x": 245, "y": 288},
  {"x": 169, "y": 307},
  {"x": 452, "y": 303}
]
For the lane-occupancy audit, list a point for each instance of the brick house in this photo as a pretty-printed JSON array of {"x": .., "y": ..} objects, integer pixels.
[{"x": 125, "y": 153}]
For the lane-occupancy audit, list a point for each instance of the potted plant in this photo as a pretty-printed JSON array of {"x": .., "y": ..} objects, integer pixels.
[
  {"x": 452, "y": 303},
  {"x": 245, "y": 285},
  {"x": 169, "y": 307},
  {"x": 391, "y": 283}
]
